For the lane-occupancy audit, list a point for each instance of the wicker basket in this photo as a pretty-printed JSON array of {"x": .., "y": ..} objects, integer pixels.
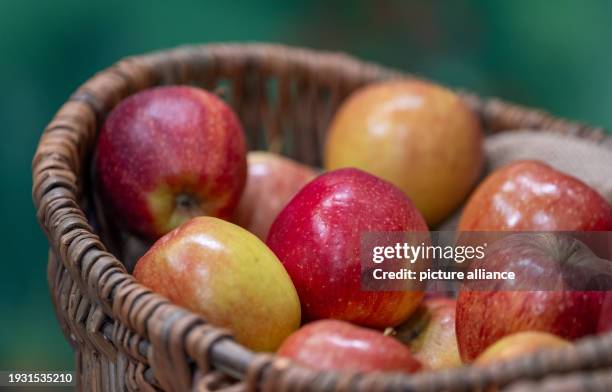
[{"x": 127, "y": 338}]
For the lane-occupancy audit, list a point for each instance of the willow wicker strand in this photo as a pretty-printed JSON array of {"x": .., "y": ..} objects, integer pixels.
[
  {"x": 598, "y": 381},
  {"x": 127, "y": 337}
]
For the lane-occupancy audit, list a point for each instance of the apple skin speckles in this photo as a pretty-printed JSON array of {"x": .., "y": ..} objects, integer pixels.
[
  {"x": 167, "y": 154},
  {"x": 333, "y": 344},
  {"x": 228, "y": 276},
  {"x": 548, "y": 296},
  {"x": 317, "y": 238},
  {"x": 532, "y": 196},
  {"x": 272, "y": 180}
]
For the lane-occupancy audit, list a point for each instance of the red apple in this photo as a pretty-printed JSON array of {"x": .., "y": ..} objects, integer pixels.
[
  {"x": 550, "y": 293},
  {"x": 272, "y": 180},
  {"x": 430, "y": 334},
  {"x": 519, "y": 344},
  {"x": 605, "y": 318},
  {"x": 532, "y": 196},
  {"x": 419, "y": 136},
  {"x": 317, "y": 237},
  {"x": 168, "y": 154},
  {"x": 227, "y": 275},
  {"x": 338, "y": 345}
]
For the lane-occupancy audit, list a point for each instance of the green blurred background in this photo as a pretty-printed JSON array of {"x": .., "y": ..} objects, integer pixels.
[{"x": 556, "y": 55}]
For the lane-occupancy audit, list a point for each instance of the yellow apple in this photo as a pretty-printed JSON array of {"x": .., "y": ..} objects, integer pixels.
[
  {"x": 419, "y": 136},
  {"x": 518, "y": 344},
  {"x": 227, "y": 275},
  {"x": 430, "y": 334}
]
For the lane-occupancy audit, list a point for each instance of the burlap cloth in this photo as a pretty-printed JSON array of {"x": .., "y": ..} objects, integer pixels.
[{"x": 583, "y": 159}]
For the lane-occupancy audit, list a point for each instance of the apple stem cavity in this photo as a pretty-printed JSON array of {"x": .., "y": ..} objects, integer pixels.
[
  {"x": 187, "y": 206},
  {"x": 164, "y": 141},
  {"x": 416, "y": 324},
  {"x": 186, "y": 202}
]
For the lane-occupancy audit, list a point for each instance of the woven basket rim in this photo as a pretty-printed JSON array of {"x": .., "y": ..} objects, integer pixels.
[{"x": 103, "y": 279}]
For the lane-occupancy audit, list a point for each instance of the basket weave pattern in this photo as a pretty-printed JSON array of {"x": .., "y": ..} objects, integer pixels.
[{"x": 128, "y": 338}]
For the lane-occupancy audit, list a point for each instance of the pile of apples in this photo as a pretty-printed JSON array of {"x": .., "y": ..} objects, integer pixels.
[{"x": 270, "y": 248}]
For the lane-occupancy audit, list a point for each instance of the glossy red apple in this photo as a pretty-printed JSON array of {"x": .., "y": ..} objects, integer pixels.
[
  {"x": 168, "y": 154},
  {"x": 318, "y": 235},
  {"x": 227, "y": 275},
  {"x": 419, "y": 136},
  {"x": 532, "y": 196},
  {"x": 272, "y": 180},
  {"x": 430, "y": 334},
  {"x": 338, "y": 345},
  {"x": 553, "y": 292},
  {"x": 519, "y": 344}
]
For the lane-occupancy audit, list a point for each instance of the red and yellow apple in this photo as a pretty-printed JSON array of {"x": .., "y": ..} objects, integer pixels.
[
  {"x": 532, "y": 196},
  {"x": 228, "y": 276},
  {"x": 430, "y": 334},
  {"x": 552, "y": 292},
  {"x": 338, "y": 345},
  {"x": 318, "y": 236},
  {"x": 272, "y": 180},
  {"x": 519, "y": 344},
  {"x": 168, "y": 154},
  {"x": 419, "y": 136}
]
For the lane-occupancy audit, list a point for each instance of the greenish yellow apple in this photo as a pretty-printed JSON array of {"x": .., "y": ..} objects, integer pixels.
[{"x": 430, "y": 334}]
